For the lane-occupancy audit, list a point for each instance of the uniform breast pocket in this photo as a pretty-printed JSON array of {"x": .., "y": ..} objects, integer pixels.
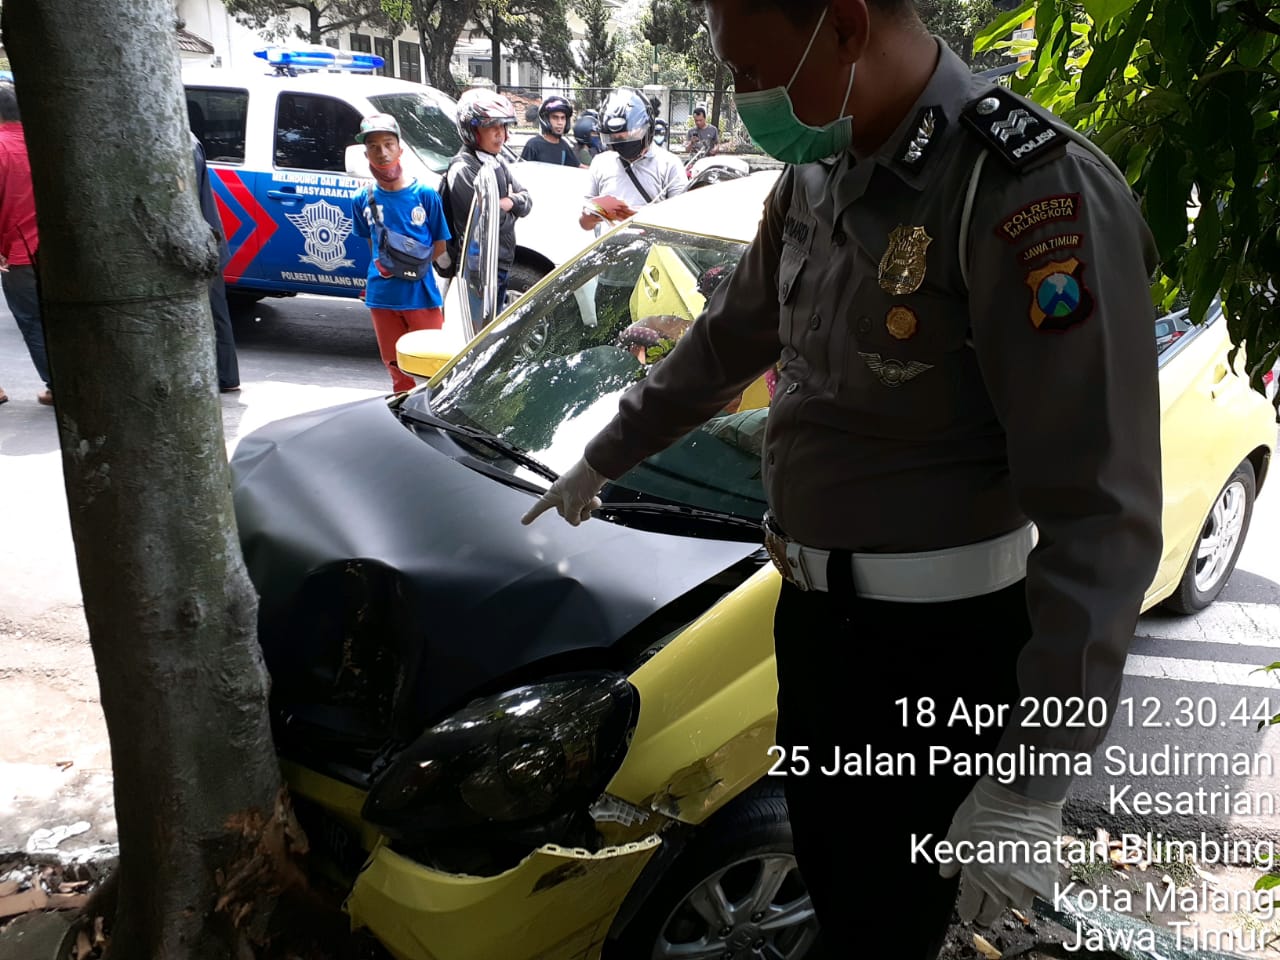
[
  {"x": 906, "y": 364},
  {"x": 790, "y": 271}
]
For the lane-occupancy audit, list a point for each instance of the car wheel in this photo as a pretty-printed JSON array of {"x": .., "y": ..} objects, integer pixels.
[
  {"x": 733, "y": 892},
  {"x": 242, "y": 302},
  {"x": 1218, "y": 546},
  {"x": 520, "y": 278}
]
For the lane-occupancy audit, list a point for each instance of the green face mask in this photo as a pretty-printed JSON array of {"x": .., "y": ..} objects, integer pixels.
[{"x": 771, "y": 120}]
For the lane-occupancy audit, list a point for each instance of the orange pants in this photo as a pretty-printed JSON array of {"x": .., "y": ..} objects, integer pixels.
[{"x": 390, "y": 325}]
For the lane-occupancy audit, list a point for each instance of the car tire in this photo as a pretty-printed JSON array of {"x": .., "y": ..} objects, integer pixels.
[
  {"x": 520, "y": 278},
  {"x": 1218, "y": 546},
  {"x": 744, "y": 852},
  {"x": 242, "y": 302}
]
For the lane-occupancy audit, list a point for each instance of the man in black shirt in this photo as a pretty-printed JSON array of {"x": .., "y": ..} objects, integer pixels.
[{"x": 550, "y": 147}]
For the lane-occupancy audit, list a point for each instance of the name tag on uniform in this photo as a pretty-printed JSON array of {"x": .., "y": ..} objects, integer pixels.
[{"x": 797, "y": 231}]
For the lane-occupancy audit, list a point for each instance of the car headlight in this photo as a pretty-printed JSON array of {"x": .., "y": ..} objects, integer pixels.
[{"x": 531, "y": 753}]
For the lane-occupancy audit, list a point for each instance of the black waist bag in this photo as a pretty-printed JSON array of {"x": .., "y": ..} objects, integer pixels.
[{"x": 399, "y": 256}]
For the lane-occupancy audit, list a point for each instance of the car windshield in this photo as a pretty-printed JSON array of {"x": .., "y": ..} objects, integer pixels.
[
  {"x": 426, "y": 123},
  {"x": 549, "y": 375}
]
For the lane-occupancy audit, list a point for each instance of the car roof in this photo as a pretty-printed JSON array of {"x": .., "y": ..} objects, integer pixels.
[
  {"x": 730, "y": 209},
  {"x": 336, "y": 84}
]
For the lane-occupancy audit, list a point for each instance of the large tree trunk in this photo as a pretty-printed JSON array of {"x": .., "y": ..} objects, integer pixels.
[
  {"x": 315, "y": 23},
  {"x": 124, "y": 260},
  {"x": 438, "y": 42},
  {"x": 495, "y": 55},
  {"x": 717, "y": 94}
]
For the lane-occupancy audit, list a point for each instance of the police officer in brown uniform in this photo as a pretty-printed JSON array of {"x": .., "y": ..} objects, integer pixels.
[{"x": 962, "y": 457}]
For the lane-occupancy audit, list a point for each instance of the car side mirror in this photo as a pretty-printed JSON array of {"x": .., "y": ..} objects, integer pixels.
[
  {"x": 357, "y": 163},
  {"x": 423, "y": 353}
]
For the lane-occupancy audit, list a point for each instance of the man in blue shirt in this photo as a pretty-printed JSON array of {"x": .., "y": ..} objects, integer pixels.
[{"x": 397, "y": 204}]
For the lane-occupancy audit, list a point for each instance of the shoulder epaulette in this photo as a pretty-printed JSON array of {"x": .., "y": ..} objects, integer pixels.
[{"x": 1019, "y": 131}]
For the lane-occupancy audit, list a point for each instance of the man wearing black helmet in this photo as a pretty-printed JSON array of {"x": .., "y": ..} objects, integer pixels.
[
  {"x": 632, "y": 171},
  {"x": 550, "y": 146}
]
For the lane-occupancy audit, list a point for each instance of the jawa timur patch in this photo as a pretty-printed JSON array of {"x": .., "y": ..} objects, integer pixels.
[{"x": 1059, "y": 298}]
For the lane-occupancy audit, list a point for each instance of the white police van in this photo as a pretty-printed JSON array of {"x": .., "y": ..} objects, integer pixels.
[{"x": 284, "y": 165}]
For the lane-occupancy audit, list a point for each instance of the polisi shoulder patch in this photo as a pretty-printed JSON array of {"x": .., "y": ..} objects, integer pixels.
[{"x": 1021, "y": 133}]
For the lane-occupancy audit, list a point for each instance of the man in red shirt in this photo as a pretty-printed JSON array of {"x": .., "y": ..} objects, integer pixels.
[{"x": 18, "y": 238}]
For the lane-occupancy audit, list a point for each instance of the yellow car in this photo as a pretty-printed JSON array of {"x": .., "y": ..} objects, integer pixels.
[{"x": 552, "y": 742}]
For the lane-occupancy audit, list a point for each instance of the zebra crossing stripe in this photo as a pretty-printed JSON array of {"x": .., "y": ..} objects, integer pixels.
[
  {"x": 1255, "y": 624},
  {"x": 1202, "y": 671}
]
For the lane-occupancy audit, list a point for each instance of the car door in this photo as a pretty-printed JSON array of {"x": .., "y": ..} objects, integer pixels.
[
  {"x": 1199, "y": 392},
  {"x": 307, "y": 195},
  {"x": 475, "y": 288}
]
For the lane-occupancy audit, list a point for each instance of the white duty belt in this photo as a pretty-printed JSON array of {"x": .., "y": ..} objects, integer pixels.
[{"x": 932, "y": 576}]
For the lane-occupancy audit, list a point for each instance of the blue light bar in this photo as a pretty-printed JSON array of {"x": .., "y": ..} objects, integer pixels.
[{"x": 320, "y": 58}]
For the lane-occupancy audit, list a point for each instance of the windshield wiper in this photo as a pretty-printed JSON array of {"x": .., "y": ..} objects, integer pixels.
[
  {"x": 492, "y": 441},
  {"x": 679, "y": 510}
]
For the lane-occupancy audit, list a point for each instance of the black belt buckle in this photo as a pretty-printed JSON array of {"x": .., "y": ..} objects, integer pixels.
[{"x": 775, "y": 544}]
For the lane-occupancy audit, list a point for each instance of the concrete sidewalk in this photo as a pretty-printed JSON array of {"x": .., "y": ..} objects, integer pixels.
[{"x": 55, "y": 763}]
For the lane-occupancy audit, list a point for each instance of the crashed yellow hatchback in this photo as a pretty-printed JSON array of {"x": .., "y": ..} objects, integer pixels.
[{"x": 553, "y": 742}]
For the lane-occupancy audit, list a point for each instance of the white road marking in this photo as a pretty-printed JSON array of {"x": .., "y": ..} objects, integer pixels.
[
  {"x": 1202, "y": 671},
  {"x": 1257, "y": 624},
  {"x": 1224, "y": 624}
]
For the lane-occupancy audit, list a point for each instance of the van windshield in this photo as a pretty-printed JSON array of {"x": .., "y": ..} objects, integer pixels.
[{"x": 427, "y": 124}]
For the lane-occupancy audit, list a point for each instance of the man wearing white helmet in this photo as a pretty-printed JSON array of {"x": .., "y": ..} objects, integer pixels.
[
  {"x": 484, "y": 118},
  {"x": 632, "y": 171}
]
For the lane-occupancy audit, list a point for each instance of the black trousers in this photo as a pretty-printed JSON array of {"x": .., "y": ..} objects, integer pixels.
[
  {"x": 224, "y": 336},
  {"x": 842, "y": 663}
]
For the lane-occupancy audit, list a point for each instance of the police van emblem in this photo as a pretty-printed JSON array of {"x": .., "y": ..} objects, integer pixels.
[
  {"x": 893, "y": 372},
  {"x": 902, "y": 266},
  {"x": 1059, "y": 299},
  {"x": 324, "y": 231}
]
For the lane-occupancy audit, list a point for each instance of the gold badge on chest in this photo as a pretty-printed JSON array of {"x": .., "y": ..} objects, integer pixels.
[
  {"x": 901, "y": 322},
  {"x": 902, "y": 266}
]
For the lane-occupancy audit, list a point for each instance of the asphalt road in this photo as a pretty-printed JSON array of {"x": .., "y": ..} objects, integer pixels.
[{"x": 309, "y": 352}]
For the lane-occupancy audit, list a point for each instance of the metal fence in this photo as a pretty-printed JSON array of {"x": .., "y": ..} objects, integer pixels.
[{"x": 677, "y": 111}]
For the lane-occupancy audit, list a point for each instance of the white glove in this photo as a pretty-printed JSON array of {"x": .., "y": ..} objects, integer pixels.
[
  {"x": 994, "y": 813},
  {"x": 574, "y": 495}
]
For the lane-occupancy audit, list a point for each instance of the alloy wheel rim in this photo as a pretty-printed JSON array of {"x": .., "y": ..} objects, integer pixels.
[
  {"x": 754, "y": 909},
  {"x": 536, "y": 341},
  {"x": 1220, "y": 537}
]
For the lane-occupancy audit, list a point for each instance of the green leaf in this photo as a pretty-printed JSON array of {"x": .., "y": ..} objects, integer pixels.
[
  {"x": 1002, "y": 26},
  {"x": 1098, "y": 70},
  {"x": 1166, "y": 199},
  {"x": 1267, "y": 881},
  {"x": 1209, "y": 282},
  {"x": 1208, "y": 225},
  {"x": 1101, "y": 11}
]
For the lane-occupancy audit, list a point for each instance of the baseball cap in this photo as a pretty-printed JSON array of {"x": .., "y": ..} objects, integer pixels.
[{"x": 378, "y": 123}]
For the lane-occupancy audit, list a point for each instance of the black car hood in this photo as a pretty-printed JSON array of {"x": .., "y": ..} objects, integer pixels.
[{"x": 349, "y": 522}]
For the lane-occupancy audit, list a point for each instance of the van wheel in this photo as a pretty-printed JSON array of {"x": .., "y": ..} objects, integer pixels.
[
  {"x": 520, "y": 279},
  {"x": 242, "y": 302},
  {"x": 1218, "y": 547},
  {"x": 733, "y": 892}
]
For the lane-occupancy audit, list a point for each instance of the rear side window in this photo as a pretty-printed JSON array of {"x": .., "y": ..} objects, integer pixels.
[
  {"x": 218, "y": 118},
  {"x": 313, "y": 133}
]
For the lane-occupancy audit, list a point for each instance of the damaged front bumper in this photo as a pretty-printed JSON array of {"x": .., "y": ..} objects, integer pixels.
[{"x": 556, "y": 904}]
